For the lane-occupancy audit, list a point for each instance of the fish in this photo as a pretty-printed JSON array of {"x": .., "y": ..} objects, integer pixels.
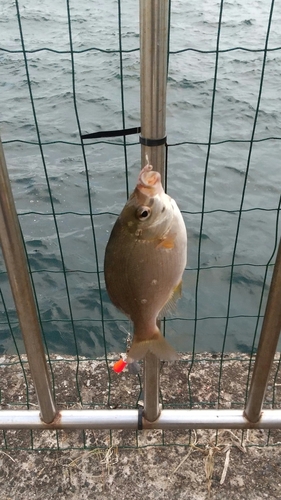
[{"x": 145, "y": 258}]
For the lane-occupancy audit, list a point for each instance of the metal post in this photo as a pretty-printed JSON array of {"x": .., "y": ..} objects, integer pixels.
[
  {"x": 153, "y": 77},
  {"x": 15, "y": 260},
  {"x": 267, "y": 345},
  {"x": 151, "y": 385}
]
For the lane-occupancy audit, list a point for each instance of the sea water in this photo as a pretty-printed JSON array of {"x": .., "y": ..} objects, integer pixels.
[{"x": 223, "y": 304}]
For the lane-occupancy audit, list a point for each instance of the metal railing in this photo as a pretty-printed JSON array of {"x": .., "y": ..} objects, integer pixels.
[
  {"x": 48, "y": 417},
  {"x": 154, "y": 46}
]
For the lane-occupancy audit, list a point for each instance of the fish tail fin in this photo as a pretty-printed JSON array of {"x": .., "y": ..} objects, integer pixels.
[{"x": 157, "y": 345}]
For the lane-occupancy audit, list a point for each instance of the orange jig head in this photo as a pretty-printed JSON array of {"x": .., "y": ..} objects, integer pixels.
[{"x": 119, "y": 366}]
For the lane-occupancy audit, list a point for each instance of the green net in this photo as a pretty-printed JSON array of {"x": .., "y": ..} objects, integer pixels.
[{"x": 223, "y": 157}]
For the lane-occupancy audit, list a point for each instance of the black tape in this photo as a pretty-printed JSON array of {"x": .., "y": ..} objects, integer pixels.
[
  {"x": 123, "y": 132},
  {"x": 140, "y": 414},
  {"x": 152, "y": 142},
  {"x": 112, "y": 133}
]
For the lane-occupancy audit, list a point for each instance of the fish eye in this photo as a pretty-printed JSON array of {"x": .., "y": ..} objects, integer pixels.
[{"x": 143, "y": 213}]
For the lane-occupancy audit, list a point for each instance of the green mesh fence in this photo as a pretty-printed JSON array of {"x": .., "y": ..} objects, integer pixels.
[{"x": 227, "y": 223}]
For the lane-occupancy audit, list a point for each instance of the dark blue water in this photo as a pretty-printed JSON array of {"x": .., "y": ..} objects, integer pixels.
[{"x": 75, "y": 310}]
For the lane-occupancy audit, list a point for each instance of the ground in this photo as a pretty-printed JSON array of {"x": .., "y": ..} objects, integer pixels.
[
  {"x": 151, "y": 473},
  {"x": 149, "y": 464}
]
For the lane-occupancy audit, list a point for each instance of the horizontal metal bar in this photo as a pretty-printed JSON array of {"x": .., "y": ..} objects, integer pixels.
[{"x": 128, "y": 419}]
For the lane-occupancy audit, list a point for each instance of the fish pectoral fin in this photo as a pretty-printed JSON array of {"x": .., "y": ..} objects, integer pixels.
[
  {"x": 158, "y": 346},
  {"x": 171, "y": 302},
  {"x": 168, "y": 243}
]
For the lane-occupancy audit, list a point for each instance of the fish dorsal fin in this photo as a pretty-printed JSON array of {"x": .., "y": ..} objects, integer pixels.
[{"x": 171, "y": 302}]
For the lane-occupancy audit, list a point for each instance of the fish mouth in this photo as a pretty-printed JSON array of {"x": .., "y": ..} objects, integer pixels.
[{"x": 149, "y": 181}]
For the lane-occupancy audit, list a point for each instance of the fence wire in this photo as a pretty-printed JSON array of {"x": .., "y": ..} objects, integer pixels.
[{"x": 81, "y": 343}]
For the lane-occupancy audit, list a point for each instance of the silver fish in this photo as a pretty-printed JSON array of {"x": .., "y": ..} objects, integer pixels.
[{"x": 144, "y": 261}]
